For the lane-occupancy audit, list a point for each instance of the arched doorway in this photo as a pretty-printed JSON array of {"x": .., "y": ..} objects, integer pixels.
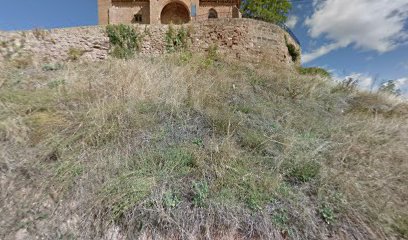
[
  {"x": 212, "y": 13},
  {"x": 176, "y": 13}
]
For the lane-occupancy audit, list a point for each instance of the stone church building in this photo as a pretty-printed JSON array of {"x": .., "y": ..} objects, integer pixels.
[{"x": 165, "y": 11}]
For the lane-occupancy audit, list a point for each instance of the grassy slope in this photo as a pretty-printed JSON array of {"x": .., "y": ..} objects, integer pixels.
[{"x": 190, "y": 147}]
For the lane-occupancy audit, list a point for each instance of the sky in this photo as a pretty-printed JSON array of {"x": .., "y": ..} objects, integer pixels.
[{"x": 363, "y": 39}]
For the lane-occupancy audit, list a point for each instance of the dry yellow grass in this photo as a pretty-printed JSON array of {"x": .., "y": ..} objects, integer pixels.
[{"x": 182, "y": 147}]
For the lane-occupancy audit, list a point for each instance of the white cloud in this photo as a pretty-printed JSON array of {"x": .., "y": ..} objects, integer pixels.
[
  {"x": 402, "y": 84},
  {"x": 366, "y": 24},
  {"x": 367, "y": 82},
  {"x": 323, "y": 50},
  {"x": 292, "y": 21}
]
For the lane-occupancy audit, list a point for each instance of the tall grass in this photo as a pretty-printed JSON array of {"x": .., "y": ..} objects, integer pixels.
[{"x": 174, "y": 148}]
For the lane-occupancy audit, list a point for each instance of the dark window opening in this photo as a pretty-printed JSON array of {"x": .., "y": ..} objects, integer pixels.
[
  {"x": 212, "y": 13},
  {"x": 137, "y": 18}
]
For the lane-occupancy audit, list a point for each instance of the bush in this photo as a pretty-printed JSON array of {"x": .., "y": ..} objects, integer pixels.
[
  {"x": 75, "y": 53},
  {"x": 176, "y": 40},
  {"x": 293, "y": 51},
  {"x": 314, "y": 71},
  {"x": 200, "y": 193},
  {"x": 124, "y": 40},
  {"x": 304, "y": 172}
]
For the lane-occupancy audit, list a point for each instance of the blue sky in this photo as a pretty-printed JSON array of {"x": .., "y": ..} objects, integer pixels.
[
  {"x": 366, "y": 39},
  {"x": 29, "y": 14}
]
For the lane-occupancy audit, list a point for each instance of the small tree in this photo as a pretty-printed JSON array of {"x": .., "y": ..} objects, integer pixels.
[{"x": 268, "y": 10}]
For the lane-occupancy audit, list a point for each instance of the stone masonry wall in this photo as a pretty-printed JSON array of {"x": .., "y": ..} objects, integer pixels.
[{"x": 243, "y": 39}]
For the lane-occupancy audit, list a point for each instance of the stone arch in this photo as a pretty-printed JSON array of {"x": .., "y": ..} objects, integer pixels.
[
  {"x": 175, "y": 12},
  {"x": 212, "y": 13}
]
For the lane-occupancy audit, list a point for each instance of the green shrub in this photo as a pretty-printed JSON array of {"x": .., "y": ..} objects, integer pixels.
[
  {"x": 52, "y": 67},
  {"x": 327, "y": 213},
  {"x": 200, "y": 190},
  {"x": 176, "y": 40},
  {"x": 170, "y": 200},
  {"x": 124, "y": 40},
  {"x": 401, "y": 226},
  {"x": 293, "y": 51},
  {"x": 314, "y": 71},
  {"x": 75, "y": 53},
  {"x": 305, "y": 171}
]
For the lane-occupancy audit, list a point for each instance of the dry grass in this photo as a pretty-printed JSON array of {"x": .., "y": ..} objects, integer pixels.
[{"x": 182, "y": 147}]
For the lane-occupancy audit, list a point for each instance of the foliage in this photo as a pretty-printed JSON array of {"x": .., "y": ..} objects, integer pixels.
[
  {"x": 327, "y": 213},
  {"x": 176, "y": 39},
  {"x": 212, "y": 56},
  {"x": 293, "y": 52},
  {"x": 314, "y": 71},
  {"x": 52, "y": 67},
  {"x": 200, "y": 190},
  {"x": 170, "y": 200},
  {"x": 75, "y": 53},
  {"x": 267, "y": 10},
  {"x": 124, "y": 40},
  {"x": 304, "y": 171}
]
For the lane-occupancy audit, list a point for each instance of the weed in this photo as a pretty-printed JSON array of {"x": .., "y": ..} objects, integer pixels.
[
  {"x": 125, "y": 191},
  {"x": 22, "y": 60},
  {"x": 280, "y": 217},
  {"x": 200, "y": 190},
  {"x": 314, "y": 71},
  {"x": 66, "y": 173},
  {"x": 198, "y": 142},
  {"x": 347, "y": 85},
  {"x": 176, "y": 40},
  {"x": 401, "y": 226},
  {"x": 178, "y": 159},
  {"x": 252, "y": 139},
  {"x": 56, "y": 83},
  {"x": 294, "y": 52},
  {"x": 124, "y": 40},
  {"x": 253, "y": 202},
  {"x": 52, "y": 67},
  {"x": 170, "y": 200},
  {"x": 75, "y": 54},
  {"x": 327, "y": 213},
  {"x": 185, "y": 57},
  {"x": 40, "y": 34},
  {"x": 304, "y": 171}
]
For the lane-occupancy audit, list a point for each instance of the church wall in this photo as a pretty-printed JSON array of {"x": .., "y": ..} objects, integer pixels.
[
  {"x": 125, "y": 13},
  {"x": 222, "y": 11},
  {"x": 103, "y": 9}
]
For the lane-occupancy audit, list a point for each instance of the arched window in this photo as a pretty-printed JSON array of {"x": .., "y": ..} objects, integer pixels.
[{"x": 212, "y": 13}]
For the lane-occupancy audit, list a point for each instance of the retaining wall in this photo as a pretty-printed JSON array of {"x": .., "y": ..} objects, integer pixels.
[{"x": 243, "y": 39}]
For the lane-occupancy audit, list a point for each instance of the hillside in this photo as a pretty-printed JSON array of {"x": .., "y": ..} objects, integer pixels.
[{"x": 197, "y": 147}]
